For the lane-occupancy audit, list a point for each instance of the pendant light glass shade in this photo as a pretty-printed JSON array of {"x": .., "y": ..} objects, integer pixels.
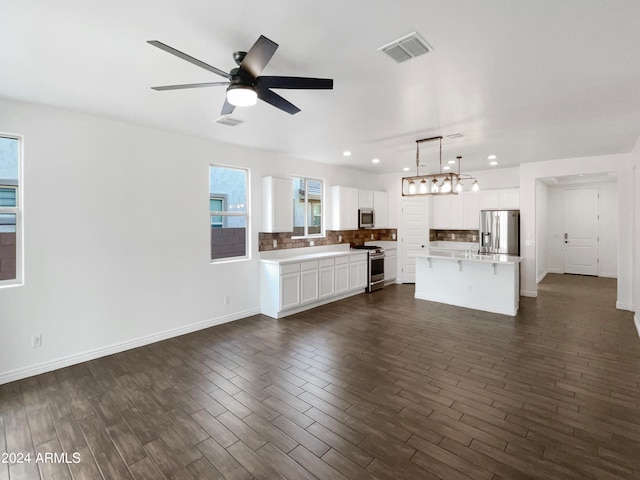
[
  {"x": 412, "y": 187},
  {"x": 475, "y": 187},
  {"x": 423, "y": 186}
]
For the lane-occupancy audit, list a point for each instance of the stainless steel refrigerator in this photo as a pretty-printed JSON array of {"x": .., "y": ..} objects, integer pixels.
[{"x": 500, "y": 231}]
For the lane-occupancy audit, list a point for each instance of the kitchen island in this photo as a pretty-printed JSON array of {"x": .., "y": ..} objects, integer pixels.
[{"x": 484, "y": 282}]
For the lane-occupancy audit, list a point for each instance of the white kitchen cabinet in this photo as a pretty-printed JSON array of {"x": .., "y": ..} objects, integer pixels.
[
  {"x": 503, "y": 199},
  {"x": 365, "y": 199},
  {"x": 489, "y": 200},
  {"x": 440, "y": 212},
  {"x": 456, "y": 211},
  {"x": 288, "y": 287},
  {"x": 381, "y": 209},
  {"x": 342, "y": 275},
  {"x": 358, "y": 272},
  {"x": 289, "y": 283},
  {"x": 390, "y": 265},
  {"x": 344, "y": 208},
  {"x": 277, "y": 205},
  {"x": 471, "y": 211},
  {"x": 309, "y": 282},
  {"x": 326, "y": 278}
]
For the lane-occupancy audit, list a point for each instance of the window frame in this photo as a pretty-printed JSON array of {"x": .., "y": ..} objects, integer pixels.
[
  {"x": 17, "y": 210},
  {"x": 323, "y": 229},
  {"x": 225, "y": 215}
]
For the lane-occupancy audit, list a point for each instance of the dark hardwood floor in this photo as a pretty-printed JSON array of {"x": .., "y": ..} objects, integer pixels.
[{"x": 377, "y": 386}]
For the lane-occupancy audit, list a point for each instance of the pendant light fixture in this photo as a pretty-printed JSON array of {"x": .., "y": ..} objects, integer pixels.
[{"x": 442, "y": 183}]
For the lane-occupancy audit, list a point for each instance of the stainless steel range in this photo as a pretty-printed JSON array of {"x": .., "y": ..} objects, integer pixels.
[{"x": 376, "y": 266}]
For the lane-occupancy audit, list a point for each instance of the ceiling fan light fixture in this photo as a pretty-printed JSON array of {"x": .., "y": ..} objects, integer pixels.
[{"x": 242, "y": 95}]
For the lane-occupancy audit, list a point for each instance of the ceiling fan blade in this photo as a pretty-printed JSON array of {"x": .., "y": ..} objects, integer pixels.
[
  {"x": 304, "y": 83},
  {"x": 277, "y": 101},
  {"x": 188, "y": 58},
  {"x": 227, "y": 108},
  {"x": 189, "y": 85},
  {"x": 258, "y": 56}
]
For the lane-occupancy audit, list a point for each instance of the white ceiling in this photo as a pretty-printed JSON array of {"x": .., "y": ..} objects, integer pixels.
[{"x": 524, "y": 80}]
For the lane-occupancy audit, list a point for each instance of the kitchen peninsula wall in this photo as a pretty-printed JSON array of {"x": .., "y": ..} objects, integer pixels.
[{"x": 353, "y": 237}]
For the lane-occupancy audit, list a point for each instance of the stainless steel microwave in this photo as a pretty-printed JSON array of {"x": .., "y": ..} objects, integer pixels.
[{"x": 366, "y": 218}]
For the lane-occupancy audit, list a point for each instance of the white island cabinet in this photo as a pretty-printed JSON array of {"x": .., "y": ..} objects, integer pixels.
[
  {"x": 483, "y": 282},
  {"x": 293, "y": 284}
]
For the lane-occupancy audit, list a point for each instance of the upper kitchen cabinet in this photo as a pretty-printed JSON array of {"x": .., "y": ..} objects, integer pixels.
[
  {"x": 365, "y": 199},
  {"x": 277, "y": 205},
  {"x": 380, "y": 210},
  {"x": 503, "y": 199},
  {"x": 470, "y": 211},
  {"x": 344, "y": 208},
  {"x": 447, "y": 212}
]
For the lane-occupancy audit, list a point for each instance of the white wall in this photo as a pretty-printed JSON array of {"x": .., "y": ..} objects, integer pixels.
[
  {"x": 542, "y": 233},
  {"x": 117, "y": 237},
  {"x": 634, "y": 202},
  {"x": 530, "y": 172}
]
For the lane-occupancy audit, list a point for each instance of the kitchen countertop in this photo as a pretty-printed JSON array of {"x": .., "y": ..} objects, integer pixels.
[
  {"x": 471, "y": 257},
  {"x": 302, "y": 257}
]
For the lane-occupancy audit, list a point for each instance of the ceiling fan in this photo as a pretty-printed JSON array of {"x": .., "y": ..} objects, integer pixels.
[{"x": 245, "y": 85}]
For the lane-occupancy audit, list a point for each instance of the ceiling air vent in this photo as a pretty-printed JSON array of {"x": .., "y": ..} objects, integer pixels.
[
  {"x": 455, "y": 135},
  {"x": 407, "y": 47},
  {"x": 229, "y": 121}
]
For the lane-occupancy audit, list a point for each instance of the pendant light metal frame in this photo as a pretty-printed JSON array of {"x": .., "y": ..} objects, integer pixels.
[{"x": 434, "y": 182}]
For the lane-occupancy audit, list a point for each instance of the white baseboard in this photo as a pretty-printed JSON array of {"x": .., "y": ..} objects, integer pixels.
[
  {"x": 541, "y": 277},
  {"x": 555, "y": 270},
  {"x": 6, "y": 377},
  {"x": 608, "y": 275},
  {"x": 636, "y": 320},
  {"x": 529, "y": 293},
  {"x": 625, "y": 306}
]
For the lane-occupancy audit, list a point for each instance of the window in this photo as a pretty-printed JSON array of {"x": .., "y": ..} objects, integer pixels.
[
  {"x": 10, "y": 211},
  {"x": 307, "y": 207},
  {"x": 228, "y": 213}
]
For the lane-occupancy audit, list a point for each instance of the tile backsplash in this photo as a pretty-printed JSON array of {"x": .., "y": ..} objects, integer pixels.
[
  {"x": 332, "y": 237},
  {"x": 453, "y": 235}
]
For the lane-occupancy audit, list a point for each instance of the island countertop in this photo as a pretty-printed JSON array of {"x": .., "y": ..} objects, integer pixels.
[{"x": 471, "y": 257}]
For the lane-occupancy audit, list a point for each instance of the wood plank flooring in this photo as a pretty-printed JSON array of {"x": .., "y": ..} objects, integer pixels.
[{"x": 378, "y": 386}]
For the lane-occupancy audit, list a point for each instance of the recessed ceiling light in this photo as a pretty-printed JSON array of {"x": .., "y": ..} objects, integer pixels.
[
  {"x": 451, "y": 162},
  {"x": 406, "y": 169},
  {"x": 375, "y": 160},
  {"x": 446, "y": 168},
  {"x": 346, "y": 153},
  {"x": 493, "y": 163},
  {"x": 491, "y": 157}
]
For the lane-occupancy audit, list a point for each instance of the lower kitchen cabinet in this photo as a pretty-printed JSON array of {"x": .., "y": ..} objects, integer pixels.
[
  {"x": 327, "y": 278},
  {"x": 390, "y": 265},
  {"x": 342, "y": 275},
  {"x": 289, "y": 294},
  {"x": 358, "y": 273},
  {"x": 308, "y": 282},
  {"x": 289, "y": 287}
]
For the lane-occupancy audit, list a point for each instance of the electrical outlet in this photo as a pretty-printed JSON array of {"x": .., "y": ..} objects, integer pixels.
[
  {"x": 275, "y": 243},
  {"x": 227, "y": 299},
  {"x": 339, "y": 238},
  {"x": 393, "y": 236},
  {"x": 36, "y": 341},
  {"x": 311, "y": 243},
  {"x": 372, "y": 236}
]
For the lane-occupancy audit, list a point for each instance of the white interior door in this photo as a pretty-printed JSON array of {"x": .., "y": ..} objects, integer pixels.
[
  {"x": 414, "y": 235},
  {"x": 581, "y": 231}
]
